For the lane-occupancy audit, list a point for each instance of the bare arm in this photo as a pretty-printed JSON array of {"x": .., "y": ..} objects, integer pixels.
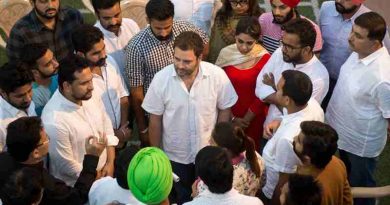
[
  {"x": 124, "y": 101},
  {"x": 370, "y": 192},
  {"x": 137, "y": 96},
  {"x": 155, "y": 130},
  {"x": 224, "y": 115},
  {"x": 283, "y": 178}
]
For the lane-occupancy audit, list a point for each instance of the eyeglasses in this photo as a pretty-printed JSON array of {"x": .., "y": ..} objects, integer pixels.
[
  {"x": 239, "y": 2},
  {"x": 45, "y": 142},
  {"x": 289, "y": 47}
]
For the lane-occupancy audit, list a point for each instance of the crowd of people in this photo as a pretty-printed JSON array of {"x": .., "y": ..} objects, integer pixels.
[{"x": 230, "y": 104}]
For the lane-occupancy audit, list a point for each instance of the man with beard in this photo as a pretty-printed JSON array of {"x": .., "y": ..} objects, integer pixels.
[
  {"x": 185, "y": 100},
  {"x": 315, "y": 146},
  {"x": 109, "y": 85},
  {"x": 294, "y": 91},
  {"x": 359, "y": 109},
  {"x": 70, "y": 116},
  {"x": 16, "y": 96},
  {"x": 44, "y": 68},
  {"x": 47, "y": 23},
  {"x": 336, "y": 20},
  {"x": 151, "y": 50},
  {"x": 117, "y": 31},
  {"x": 296, "y": 54},
  {"x": 283, "y": 11}
]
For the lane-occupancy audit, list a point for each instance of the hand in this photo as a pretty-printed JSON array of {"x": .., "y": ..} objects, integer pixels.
[
  {"x": 269, "y": 79},
  {"x": 93, "y": 146},
  {"x": 108, "y": 169},
  {"x": 241, "y": 122},
  {"x": 270, "y": 129},
  {"x": 194, "y": 188},
  {"x": 123, "y": 133}
]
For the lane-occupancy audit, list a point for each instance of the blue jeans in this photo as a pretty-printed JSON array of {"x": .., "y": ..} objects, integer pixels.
[
  {"x": 360, "y": 173},
  {"x": 181, "y": 191}
]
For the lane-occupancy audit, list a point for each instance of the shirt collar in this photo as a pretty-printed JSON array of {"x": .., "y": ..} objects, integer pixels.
[
  {"x": 39, "y": 25},
  {"x": 66, "y": 102},
  {"x": 8, "y": 107},
  {"x": 174, "y": 33},
  {"x": 360, "y": 11},
  {"x": 373, "y": 56},
  {"x": 308, "y": 63},
  {"x": 225, "y": 196},
  {"x": 291, "y": 116}
]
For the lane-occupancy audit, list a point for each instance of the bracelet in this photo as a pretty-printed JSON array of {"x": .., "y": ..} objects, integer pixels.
[{"x": 144, "y": 131}]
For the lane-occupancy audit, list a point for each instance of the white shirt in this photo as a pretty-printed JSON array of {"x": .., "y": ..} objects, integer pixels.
[
  {"x": 188, "y": 116},
  {"x": 313, "y": 68},
  {"x": 231, "y": 197},
  {"x": 8, "y": 114},
  {"x": 110, "y": 87},
  {"x": 198, "y": 12},
  {"x": 115, "y": 44},
  {"x": 360, "y": 104},
  {"x": 107, "y": 190},
  {"x": 67, "y": 125},
  {"x": 279, "y": 153}
]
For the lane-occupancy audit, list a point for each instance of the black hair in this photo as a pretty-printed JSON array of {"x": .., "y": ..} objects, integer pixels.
[
  {"x": 24, "y": 187},
  {"x": 32, "y": 53},
  {"x": 303, "y": 190},
  {"x": 304, "y": 29},
  {"x": 23, "y": 136},
  {"x": 122, "y": 164},
  {"x": 226, "y": 11},
  {"x": 189, "y": 40},
  {"x": 319, "y": 143},
  {"x": 297, "y": 86},
  {"x": 14, "y": 75},
  {"x": 374, "y": 23},
  {"x": 250, "y": 26},
  {"x": 69, "y": 66},
  {"x": 103, "y": 4},
  {"x": 159, "y": 10},
  {"x": 85, "y": 36},
  {"x": 214, "y": 167},
  {"x": 236, "y": 141}
]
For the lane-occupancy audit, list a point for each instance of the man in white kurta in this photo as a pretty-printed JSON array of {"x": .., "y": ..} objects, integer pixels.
[{"x": 69, "y": 120}]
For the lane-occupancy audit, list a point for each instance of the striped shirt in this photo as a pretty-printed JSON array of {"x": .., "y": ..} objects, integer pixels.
[
  {"x": 146, "y": 55},
  {"x": 272, "y": 33},
  {"x": 30, "y": 29}
]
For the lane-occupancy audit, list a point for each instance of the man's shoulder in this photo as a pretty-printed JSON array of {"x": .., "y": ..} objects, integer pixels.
[
  {"x": 25, "y": 23},
  {"x": 266, "y": 18},
  {"x": 138, "y": 40},
  {"x": 163, "y": 74},
  {"x": 70, "y": 12},
  {"x": 327, "y": 6}
]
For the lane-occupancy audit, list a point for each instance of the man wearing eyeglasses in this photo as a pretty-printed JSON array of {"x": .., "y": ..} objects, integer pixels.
[
  {"x": 283, "y": 11},
  {"x": 28, "y": 145},
  {"x": 296, "y": 53}
]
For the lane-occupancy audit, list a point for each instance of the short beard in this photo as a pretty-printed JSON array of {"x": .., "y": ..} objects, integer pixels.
[
  {"x": 286, "y": 19},
  {"x": 44, "y": 15},
  {"x": 342, "y": 10},
  {"x": 100, "y": 63}
]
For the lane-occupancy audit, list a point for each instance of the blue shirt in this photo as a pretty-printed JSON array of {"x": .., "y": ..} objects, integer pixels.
[
  {"x": 335, "y": 32},
  {"x": 42, "y": 94}
]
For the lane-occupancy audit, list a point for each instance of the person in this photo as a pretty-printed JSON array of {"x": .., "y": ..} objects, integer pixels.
[
  {"x": 242, "y": 63},
  {"x": 301, "y": 190},
  {"x": 336, "y": 19},
  {"x": 201, "y": 13},
  {"x": 283, "y": 11},
  {"x": 70, "y": 116},
  {"x": 117, "y": 30},
  {"x": 25, "y": 186},
  {"x": 47, "y": 23},
  {"x": 214, "y": 167},
  {"x": 359, "y": 107},
  {"x": 108, "y": 82},
  {"x": 44, "y": 68},
  {"x": 249, "y": 168},
  {"x": 296, "y": 53},
  {"x": 151, "y": 50},
  {"x": 294, "y": 91},
  {"x": 108, "y": 189},
  {"x": 150, "y": 176},
  {"x": 185, "y": 100},
  {"x": 315, "y": 146},
  {"x": 16, "y": 96},
  {"x": 226, "y": 19},
  {"x": 28, "y": 145}
]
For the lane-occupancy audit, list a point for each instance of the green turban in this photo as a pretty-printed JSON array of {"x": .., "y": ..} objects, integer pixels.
[{"x": 150, "y": 175}]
